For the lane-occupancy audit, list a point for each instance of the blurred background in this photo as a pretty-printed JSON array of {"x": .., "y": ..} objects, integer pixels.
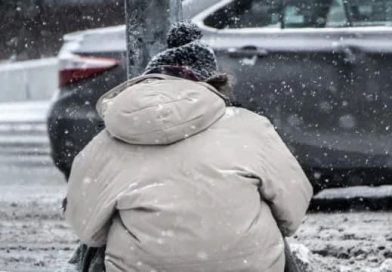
[{"x": 32, "y": 29}]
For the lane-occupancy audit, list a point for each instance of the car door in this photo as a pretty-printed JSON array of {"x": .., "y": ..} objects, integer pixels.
[
  {"x": 369, "y": 74},
  {"x": 287, "y": 62}
]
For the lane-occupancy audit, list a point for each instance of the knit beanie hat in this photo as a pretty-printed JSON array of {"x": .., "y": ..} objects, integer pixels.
[{"x": 185, "y": 49}]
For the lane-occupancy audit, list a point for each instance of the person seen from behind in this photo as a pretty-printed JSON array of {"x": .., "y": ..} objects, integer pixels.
[{"x": 182, "y": 180}]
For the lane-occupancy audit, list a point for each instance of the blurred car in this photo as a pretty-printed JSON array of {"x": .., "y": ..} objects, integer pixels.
[{"x": 320, "y": 70}]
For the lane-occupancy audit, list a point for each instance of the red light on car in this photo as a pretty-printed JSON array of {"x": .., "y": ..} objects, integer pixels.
[{"x": 75, "y": 68}]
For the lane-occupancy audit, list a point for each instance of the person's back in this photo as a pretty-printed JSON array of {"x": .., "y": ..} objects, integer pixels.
[{"x": 180, "y": 182}]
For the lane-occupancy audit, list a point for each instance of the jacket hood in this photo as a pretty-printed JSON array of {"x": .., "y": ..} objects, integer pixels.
[{"x": 159, "y": 109}]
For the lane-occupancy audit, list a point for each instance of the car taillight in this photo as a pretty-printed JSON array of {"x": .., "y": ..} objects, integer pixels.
[{"x": 74, "y": 68}]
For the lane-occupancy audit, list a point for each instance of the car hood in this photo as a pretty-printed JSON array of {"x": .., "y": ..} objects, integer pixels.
[{"x": 159, "y": 109}]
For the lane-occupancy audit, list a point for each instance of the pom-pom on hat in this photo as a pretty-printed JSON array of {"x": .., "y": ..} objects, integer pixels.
[
  {"x": 186, "y": 49},
  {"x": 183, "y": 33}
]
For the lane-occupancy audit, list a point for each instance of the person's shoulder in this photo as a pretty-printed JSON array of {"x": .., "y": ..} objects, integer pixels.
[
  {"x": 101, "y": 139},
  {"x": 100, "y": 144},
  {"x": 248, "y": 117}
]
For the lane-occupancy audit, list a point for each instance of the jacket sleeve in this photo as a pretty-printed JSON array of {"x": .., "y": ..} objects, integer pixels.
[
  {"x": 284, "y": 186},
  {"x": 90, "y": 202}
]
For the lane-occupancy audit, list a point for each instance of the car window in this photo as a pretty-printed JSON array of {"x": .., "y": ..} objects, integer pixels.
[
  {"x": 247, "y": 14},
  {"x": 301, "y": 14},
  {"x": 278, "y": 14},
  {"x": 370, "y": 12},
  {"x": 310, "y": 13},
  {"x": 337, "y": 16}
]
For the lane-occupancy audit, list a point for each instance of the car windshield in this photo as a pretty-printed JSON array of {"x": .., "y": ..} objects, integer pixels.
[{"x": 301, "y": 14}]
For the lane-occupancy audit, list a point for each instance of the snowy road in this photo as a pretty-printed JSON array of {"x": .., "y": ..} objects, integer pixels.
[{"x": 34, "y": 236}]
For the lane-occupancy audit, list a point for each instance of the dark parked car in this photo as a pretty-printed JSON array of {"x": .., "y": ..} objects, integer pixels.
[{"x": 320, "y": 70}]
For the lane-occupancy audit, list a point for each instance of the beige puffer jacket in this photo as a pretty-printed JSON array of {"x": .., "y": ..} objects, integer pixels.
[{"x": 180, "y": 182}]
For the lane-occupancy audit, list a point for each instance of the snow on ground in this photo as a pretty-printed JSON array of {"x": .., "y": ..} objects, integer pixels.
[
  {"x": 33, "y": 234},
  {"x": 350, "y": 241}
]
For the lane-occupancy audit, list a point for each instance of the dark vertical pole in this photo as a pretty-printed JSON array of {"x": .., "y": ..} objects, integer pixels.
[{"x": 147, "y": 22}]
